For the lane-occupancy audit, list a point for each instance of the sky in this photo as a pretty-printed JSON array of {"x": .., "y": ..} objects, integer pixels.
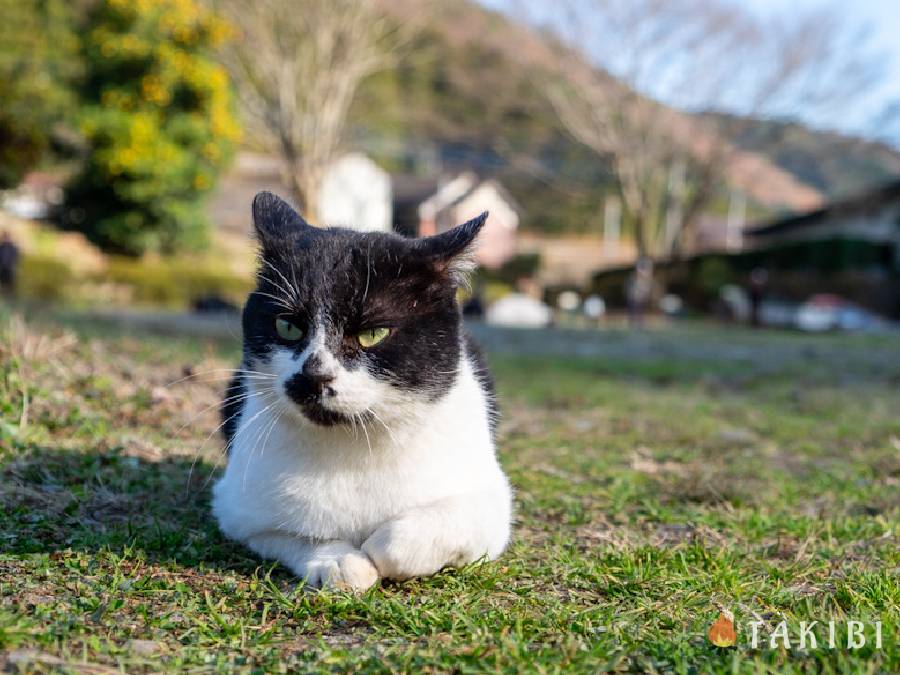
[{"x": 882, "y": 19}]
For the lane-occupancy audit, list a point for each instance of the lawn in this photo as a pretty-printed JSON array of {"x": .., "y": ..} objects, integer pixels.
[{"x": 660, "y": 478}]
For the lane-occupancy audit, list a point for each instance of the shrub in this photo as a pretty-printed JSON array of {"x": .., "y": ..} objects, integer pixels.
[
  {"x": 44, "y": 278},
  {"x": 712, "y": 273},
  {"x": 175, "y": 282},
  {"x": 21, "y": 146},
  {"x": 521, "y": 266},
  {"x": 158, "y": 121},
  {"x": 37, "y": 49}
]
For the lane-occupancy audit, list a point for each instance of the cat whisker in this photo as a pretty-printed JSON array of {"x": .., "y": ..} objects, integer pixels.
[
  {"x": 382, "y": 423},
  {"x": 353, "y": 427},
  {"x": 242, "y": 429},
  {"x": 199, "y": 452},
  {"x": 221, "y": 373},
  {"x": 226, "y": 446},
  {"x": 286, "y": 295},
  {"x": 270, "y": 426},
  {"x": 362, "y": 423},
  {"x": 293, "y": 287},
  {"x": 278, "y": 301},
  {"x": 230, "y": 399}
]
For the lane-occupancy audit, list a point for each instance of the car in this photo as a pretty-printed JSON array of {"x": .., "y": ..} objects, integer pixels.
[
  {"x": 519, "y": 311},
  {"x": 826, "y": 311}
]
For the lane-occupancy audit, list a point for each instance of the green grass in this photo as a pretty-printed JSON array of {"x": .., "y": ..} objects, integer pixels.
[{"x": 651, "y": 491}]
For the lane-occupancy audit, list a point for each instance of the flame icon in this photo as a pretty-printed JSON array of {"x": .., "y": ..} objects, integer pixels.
[{"x": 722, "y": 633}]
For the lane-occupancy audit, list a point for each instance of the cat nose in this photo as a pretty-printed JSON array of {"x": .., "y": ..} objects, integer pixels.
[
  {"x": 313, "y": 381},
  {"x": 321, "y": 381},
  {"x": 316, "y": 371}
]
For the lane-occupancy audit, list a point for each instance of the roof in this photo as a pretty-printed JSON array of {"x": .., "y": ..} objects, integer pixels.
[
  {"x": 413, "y": 190},
  {"x": 502, "y": 191},
  {"x": 860, "y": 203}
]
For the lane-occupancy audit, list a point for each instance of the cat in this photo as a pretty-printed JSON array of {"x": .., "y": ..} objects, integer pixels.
[{"x": 360, "y": 426}]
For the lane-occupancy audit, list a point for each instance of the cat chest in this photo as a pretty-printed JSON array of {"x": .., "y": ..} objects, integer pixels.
[{"x": 347, "y": 501}]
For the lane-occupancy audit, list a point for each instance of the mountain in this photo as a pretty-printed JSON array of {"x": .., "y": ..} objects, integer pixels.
[
  {"x": 466, "y": 97},
  {"x": 835, "y": 164}
]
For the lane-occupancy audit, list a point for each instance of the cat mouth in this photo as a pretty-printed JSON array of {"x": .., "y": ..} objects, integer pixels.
[{"x": 319, "y": 414}]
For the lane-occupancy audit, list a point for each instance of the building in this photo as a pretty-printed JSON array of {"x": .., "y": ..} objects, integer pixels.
[
  {"x": 850, "y": 248},
  {"x": 423, "y": 207},
  {"x": 868, "y": 223},
  {"x": 864, "y": 230},
  {"x": 356, "y": 193}
]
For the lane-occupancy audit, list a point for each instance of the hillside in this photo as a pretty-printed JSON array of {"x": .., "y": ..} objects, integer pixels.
[
  {"x": 461, "y": 99},
  {"x": 467, "y": 96},
  {"x": 835, "y": 164}
]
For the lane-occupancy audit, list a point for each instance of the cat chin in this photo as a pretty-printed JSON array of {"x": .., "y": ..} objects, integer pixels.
[
  {"x": 323, "y": 417},
  {"x": 317, "y": 415}
]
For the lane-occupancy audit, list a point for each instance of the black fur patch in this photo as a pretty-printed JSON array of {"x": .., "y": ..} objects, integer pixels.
[
  {"x": 350, "y": 281},
  {"x": 232, "y": 406},
  {"x": 485, "y": 379}
]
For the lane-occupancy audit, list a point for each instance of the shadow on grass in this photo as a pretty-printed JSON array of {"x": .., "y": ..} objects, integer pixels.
[{"x": 58, "y": 500}]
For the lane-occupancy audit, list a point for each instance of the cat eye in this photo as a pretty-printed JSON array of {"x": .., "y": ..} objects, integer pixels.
[
  {"x": 372, "y": 336},
  {"x": 287, "y": 330}
]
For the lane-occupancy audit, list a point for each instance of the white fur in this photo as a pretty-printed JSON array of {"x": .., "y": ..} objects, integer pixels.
[{"x": 415, "y": 490}]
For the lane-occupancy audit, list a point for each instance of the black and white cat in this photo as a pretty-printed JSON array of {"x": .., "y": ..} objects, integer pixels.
[{"x": 360, "y": 426}]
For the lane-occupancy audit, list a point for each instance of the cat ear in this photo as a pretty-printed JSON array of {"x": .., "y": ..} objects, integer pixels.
[
  {"x": 274, "y": 219},
  {"x": 454, "y": 250}
]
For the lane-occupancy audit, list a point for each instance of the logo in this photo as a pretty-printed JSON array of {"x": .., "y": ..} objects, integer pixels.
[
  {"x": 722, "y": 633},
  {"x": 810, "y": 635}
]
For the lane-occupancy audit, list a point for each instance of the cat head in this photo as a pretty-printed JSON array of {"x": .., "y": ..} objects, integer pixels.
[{"x": 350, "y": 325}]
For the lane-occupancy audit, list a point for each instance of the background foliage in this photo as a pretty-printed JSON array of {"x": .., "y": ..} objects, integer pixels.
[
  {"x": 37, "y": 65},
  {"x": 157, "y": 117}
]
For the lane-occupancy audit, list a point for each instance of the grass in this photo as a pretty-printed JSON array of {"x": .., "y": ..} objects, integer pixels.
[{"x": 654, "y": 488}]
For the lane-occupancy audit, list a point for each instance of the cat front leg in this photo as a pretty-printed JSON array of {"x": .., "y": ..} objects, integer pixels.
[
  {"x": 451, "y": 532},
  {"x": 331, "y": 564}
]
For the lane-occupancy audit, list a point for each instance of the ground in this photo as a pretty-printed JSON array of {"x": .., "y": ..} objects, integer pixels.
[{"x": 660, "y": 478}]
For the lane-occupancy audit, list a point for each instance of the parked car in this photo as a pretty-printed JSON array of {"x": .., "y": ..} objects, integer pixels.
[
  {"x": 824, "y": 312},
  {"x": 520, "y": 311}
]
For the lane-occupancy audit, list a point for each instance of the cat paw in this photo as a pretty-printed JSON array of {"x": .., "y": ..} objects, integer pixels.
[
  {"x": 399, "y": 552},
  {"x": 349, "y": 571}
]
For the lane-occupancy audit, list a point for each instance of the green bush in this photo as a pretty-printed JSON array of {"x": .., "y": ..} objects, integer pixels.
[
  {"x": 44, "y": 278},
  {"x": 37, "y": 49},
  {"x": 21, "y": 146},
  {"x": 521, "y": 266},
  {"x": 175, "y": 283},
  {"x": 157, "y": 118},
  {"x": 712, "y": 273}
]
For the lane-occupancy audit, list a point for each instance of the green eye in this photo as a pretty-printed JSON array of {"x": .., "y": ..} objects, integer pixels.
[
  {"x": 372, "y": 336},
  {"x": 287, "y": 330}
]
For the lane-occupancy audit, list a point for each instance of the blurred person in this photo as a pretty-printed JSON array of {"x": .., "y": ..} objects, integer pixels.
[
  {"x": 759, "y": 279},
  {"x": 638, "y": 291},
  {"x": 594, "y": 308},
  {"x": 9, "y": 264}
]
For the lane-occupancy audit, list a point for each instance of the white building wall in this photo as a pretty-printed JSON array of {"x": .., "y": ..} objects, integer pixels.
[
  {"x": 356, "y": 193},
  {"x": 497, "y": 241}
]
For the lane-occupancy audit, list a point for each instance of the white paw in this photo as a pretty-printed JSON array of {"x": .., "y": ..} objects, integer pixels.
[
  {"x": 349, "y": 571},
  {"x": 400, "y": 551}
]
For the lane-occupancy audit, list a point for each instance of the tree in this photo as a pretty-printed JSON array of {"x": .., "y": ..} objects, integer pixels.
[
  {"x": 37, "y": 65},
  {"x": 157, "y": 117},
  {"x": 620, "y": 58},
  {"x": 298, "y": 65}
]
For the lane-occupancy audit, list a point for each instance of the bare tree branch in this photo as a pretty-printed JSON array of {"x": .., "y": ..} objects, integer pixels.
[
  {"x": 620, "y": 57},
  {"x": 298, "y": 65}
]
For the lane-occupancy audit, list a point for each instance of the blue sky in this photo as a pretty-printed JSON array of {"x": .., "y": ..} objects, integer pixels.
[{"x": 882, "y": 19}]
